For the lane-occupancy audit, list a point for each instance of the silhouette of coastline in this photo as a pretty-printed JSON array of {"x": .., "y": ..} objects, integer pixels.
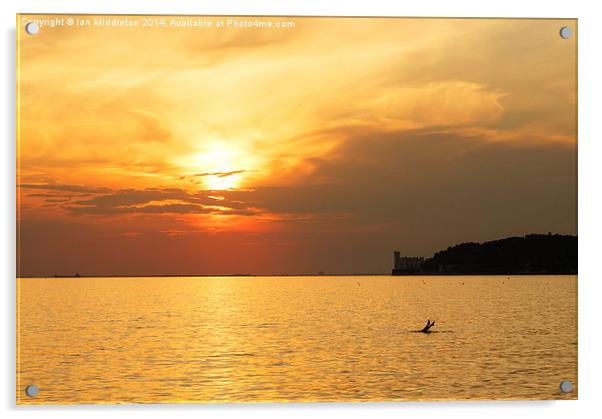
[{"x": 533, "y": 254}]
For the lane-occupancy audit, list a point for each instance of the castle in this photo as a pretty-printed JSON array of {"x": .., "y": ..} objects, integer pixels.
[{"x": 406, "y": 265}]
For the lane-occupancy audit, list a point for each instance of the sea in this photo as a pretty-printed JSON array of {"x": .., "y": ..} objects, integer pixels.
[{"x": 295, "y": 339}]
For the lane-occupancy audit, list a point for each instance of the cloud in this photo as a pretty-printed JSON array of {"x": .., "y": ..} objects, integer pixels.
[
  {"x": 41, "y": 195},
  {"x": 158, "y": 201},
  {"x": 432, "y": 188},
  {"x": 221, "y": 174},
  {"x": 64, "y": 188},
  {"x": 147, "y": 209},
  {"x": 150, "y": 126},
  {"x": 441, "y": 103},
  {"x": 398, "y": 179},
  {"x": 129, "y": 197}
]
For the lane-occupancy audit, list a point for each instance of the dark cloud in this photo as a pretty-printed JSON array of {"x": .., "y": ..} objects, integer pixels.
[
  {"x": 41, "y": 195},
  {"x": 55, "y": 197},
  {"x": 428, "y": 190},
  {"x": 64, "y": 188},
  {"x": 148, "y": 209},
  {"x": 157, "y": 201},
  {"x": 128, "y": 197}
]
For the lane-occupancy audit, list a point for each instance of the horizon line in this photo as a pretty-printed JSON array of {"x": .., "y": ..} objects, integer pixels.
[{"x": 290, "y": 275}]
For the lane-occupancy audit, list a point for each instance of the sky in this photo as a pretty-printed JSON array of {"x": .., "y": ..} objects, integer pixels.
[{"x": 321, "y": 146}]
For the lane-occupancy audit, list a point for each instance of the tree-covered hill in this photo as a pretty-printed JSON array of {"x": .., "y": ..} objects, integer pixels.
[{"x": 531, "y": 254}]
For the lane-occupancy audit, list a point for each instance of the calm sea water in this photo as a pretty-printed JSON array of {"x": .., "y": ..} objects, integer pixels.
[{"x": 255, "y": 339}]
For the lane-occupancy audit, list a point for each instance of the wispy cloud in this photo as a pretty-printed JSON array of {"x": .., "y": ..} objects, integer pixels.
[
  {"x": 221, "y": 174},
  {"x": 64, "y": 187},
  {"x": 158, "y": 201}
]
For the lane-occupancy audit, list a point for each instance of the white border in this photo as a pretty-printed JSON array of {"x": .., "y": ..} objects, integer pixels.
[{"x": 590, "y": 201}]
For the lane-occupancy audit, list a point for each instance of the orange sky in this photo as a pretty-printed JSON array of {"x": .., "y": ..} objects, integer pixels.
[{"x": 318, "y": 147}]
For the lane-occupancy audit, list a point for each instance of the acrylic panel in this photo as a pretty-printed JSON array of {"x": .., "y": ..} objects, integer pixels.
[{"x": 295, "y": 209}]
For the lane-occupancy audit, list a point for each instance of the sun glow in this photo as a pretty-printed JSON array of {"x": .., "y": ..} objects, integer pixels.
[
  {"x": 219, "y": 166},
  {"x": 220, "y": 183}
]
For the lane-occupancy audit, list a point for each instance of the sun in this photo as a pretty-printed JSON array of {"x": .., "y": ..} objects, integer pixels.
[
  {"x": 219, "y": 166},
  {"x": 219, "y": 182}
]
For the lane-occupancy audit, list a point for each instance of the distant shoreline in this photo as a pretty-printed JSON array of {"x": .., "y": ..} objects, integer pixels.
[
  {"x": 293, "y": 275},
  {"x": 529, "y": 255}
]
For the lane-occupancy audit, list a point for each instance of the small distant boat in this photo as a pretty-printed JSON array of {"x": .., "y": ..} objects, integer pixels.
[{"x": 77, "y": 275}]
